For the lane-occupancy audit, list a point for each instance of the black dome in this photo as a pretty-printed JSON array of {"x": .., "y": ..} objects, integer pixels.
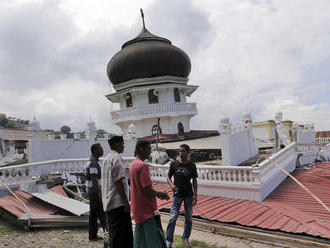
[{"x": 148, "y": 56}]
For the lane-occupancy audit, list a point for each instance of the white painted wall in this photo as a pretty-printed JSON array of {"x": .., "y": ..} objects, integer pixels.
[
  {"x": 43, "y": 150},
  {"x": 306, "y": 135},
  {"x": 262, "y": 137},
  {"x": 140, "y": 99},
  {"x": 169, "y": 125},
  {"x": 53, "y": 149},
  {"x": 237, "y": 144}
]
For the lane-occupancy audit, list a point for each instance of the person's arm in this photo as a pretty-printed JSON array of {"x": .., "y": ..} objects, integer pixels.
[
  {"x": 169, "y": 180},
  {"x": 96, "y": 186},
  {"x": 119, "y": 174},
  {"x": 150, "y": 192},
  {"x": 122, "y": 193},
  {"x": 195, "y": 191},
  {"x": 195, "y": 186},
  {"x": 146, "y": 184}
]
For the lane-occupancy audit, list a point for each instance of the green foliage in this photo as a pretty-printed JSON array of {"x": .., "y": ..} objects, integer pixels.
[
  {"x": 100, "y": 133},
  {"x": 83, "y": 135},
  {"x": 3, "y": 120},
  {"x": 194, "y": 243},
  {"x": 4, "y": 231},
  {"x": 65, "y": 129},
  {"x": 11, "y": 122},
  {"x": 66, "y": 236}
]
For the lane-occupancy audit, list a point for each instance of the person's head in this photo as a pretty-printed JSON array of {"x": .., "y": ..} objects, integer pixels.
[
  {"x": 97, "y": 150},
  {"x": 142, "y": 149},
  {"x": 184, "y": 151},
  {"x": 116, "y": 143}
]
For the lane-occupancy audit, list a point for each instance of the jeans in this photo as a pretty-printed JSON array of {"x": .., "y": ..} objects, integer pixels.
[
  {"x": 95, "y": 213},
  {"x": 175, "y": 209}
]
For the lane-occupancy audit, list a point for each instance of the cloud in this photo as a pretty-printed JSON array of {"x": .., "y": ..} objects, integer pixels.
[
  {"x": 49, "y": 70},
  {"x": 32, "y": 35},
  {"x": 186, "y": 25},
  {"x": 261, "y": 55},
  {"x": 247, "y": 56}
]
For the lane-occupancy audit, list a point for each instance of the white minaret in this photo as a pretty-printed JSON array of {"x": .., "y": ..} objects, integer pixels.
[{"x": 150, "y": 79}]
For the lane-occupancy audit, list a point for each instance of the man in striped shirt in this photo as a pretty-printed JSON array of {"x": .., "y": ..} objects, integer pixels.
[
  {"x": 115, "y": 189},
  {"x": 93, "y": 188}
]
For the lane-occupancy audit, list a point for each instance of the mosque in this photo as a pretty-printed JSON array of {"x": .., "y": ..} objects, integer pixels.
[
  {"x": 257, "y": 199},
  {"x": 150, "y": 77}
]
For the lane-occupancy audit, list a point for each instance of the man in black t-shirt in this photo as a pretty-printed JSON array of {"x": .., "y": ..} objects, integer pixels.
[{"x": 183, "y": 172}]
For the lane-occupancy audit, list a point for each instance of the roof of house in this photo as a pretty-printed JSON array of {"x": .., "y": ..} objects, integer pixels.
[
  {"x": 212, "y": 142},
  {"x": 323, "y": 134},
  {"x": 193, "y": 134},
  {"x": 17, "y": 134},
  {"x": 289, "y": 208}
]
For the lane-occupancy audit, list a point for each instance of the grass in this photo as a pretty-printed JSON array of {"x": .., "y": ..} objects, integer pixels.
[
  {"x": 66, "y": 236},
  {"x": 4, "y": 231},
  {"x": 194, "y": 243}
]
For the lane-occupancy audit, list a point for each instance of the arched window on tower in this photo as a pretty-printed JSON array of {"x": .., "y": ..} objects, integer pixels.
[
  {"x": 177, "y": 95},
  {"x": 152, "y": 97},
  {"x": 154, "y": 130},
  {"x": 180, "y": 128},
  {"x": 129, "y": 102}
]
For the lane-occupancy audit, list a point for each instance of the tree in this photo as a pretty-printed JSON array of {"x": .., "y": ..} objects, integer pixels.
[
  {"x": 100, "y": 133},
  {"x": 65, "y": 129},
  {"x": 3, "y": 120}
]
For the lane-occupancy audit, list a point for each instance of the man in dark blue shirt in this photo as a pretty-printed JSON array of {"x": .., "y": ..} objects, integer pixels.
[
  {"x": 93, "y": 188},
  {"x": 183, "y": 171}
]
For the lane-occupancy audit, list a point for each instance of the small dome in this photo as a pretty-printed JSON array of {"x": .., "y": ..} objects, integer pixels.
[{"x": 148, "y": 56}]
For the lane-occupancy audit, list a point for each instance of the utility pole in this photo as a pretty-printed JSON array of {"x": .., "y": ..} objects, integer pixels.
[{"x": 157, "y": 135}]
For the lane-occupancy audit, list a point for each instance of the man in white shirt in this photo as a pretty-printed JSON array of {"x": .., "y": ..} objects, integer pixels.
[{"x": 115, "y": 189}]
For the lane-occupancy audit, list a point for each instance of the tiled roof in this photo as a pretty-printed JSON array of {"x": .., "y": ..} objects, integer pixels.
[
  {"x": 18, "y": 134},
  {"x": 323, "y": 134},
  {"x": 289, "y": 208}
]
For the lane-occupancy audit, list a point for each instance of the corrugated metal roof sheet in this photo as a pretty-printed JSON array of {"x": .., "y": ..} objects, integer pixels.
[
  {"x": 72, "y": 206},
  {"x": 12, "y": 205},
  {"x": 289, "y": 208}
]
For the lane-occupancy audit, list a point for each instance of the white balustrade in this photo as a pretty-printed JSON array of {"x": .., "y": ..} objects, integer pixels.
[
  {"x": 141, "y": 112},
  {"x": 243, "y": 182}
]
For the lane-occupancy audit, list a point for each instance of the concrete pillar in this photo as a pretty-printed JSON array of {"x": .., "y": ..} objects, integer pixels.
[
  {"x": 224, "y": 129},
  {"x": 35, "y": 142},
  {"x": 252, "y": 149}
]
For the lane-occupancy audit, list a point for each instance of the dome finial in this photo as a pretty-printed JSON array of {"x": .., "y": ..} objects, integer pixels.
[{"x": 142, "y": 15}]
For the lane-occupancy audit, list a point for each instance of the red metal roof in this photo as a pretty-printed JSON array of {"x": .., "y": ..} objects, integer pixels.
[
  {"x": 323, "y": 134},
  {"x": 289, "y": 208},
  {"x": 12, "y": 205}
]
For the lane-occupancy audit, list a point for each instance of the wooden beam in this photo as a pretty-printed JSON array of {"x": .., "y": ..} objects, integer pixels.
[{"x": 277, "y": 238}]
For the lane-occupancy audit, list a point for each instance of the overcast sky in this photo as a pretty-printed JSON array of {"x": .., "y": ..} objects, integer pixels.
[{"x": 257, "y": 56}]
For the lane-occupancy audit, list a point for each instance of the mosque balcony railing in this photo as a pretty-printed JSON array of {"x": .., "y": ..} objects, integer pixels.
[
  {"x": 242, "y": 182},
  {"x": 322, "y": 140},
  {"x": 153, "y": 110},
  {"x": 68, "y": 169},
  {"x": 209, "y": 174},
  {"x": 206, "y": 174}
]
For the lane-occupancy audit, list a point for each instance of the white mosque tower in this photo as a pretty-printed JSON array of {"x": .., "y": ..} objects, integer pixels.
[{"x": 150, "y": 79}]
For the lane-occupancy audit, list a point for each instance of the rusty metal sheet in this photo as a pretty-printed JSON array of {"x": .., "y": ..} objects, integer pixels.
[{"x": 289, "y": 208}]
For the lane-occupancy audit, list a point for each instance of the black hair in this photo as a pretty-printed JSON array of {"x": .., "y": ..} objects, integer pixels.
[
  {"x": 186, "y": 147},
  {"x": 141, "y": 144},
  {"x": 94, "y": 148},
  {"x": 114, "y": 140}
]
